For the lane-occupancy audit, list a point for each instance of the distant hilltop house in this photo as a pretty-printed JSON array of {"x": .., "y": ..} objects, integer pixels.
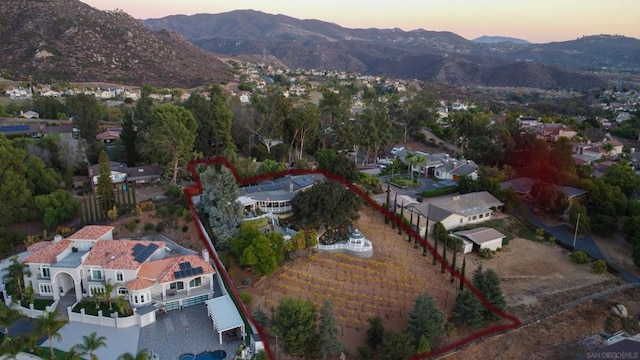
[
  {"x": 553, "y": 132},
  {"x": 30, "y": 114},
  {"x": 585, "y": 153},
  {"x": 274, "y": 196},
  {"x": 528, "y": 121},
  {"x": 442, "y": 166},
  {"x": 109, "y": 136},
  {"x": 121, "y": 174},
  {"x": 147, "y": 273}
]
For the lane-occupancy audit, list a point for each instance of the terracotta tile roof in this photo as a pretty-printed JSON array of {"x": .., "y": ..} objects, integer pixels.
[
  {"x": 116, "y": 254},
  {"x": 91, "y": 232},
  {"x": 139, "y": 284},
  {"x": 45, "y": 252},
  {"x": 163, "y": 270}
]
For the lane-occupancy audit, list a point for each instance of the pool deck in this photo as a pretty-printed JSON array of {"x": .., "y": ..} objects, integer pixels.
[{"x": 189, "y": 330}]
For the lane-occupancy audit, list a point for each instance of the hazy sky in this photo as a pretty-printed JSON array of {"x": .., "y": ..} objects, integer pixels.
[{"x": 533, "y": 20}]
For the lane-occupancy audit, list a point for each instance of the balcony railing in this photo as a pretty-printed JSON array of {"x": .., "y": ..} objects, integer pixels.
[{"x": 182, "y": 294}]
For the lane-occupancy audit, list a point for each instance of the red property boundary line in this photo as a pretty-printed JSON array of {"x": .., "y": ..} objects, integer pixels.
[{"x": 196, "y": 189}]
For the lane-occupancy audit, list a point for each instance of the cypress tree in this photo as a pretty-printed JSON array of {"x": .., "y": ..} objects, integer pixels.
[
  {"x": 462, "y": 275},
  {"x": 453, "y": 266},
  {"x": 444, "y": 257},
  {"x": 401, "y": 219},
  {"x": 424, "y": 244},
  {"x": 386, "y": 215},
  {"x": 415, "y": 240},
  {"x": 395, "y": 207},
  {"x": 435, "y": 249},
  {"x": 410, "y": 226}
]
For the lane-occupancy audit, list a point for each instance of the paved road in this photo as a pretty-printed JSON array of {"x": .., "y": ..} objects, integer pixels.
[{"x": 564, "y": 234}]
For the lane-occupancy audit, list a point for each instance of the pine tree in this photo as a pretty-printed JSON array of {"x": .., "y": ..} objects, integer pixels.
[
  {"x": 468, "y": 309},
  {"x": 328, "y": 332},
  {"x": 490, "y": 288},
  {"x": 425, "y": 319},
  {"x": 395, "y": 207}
]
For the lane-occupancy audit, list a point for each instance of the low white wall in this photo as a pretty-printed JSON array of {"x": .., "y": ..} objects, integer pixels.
[{"x": 115, "y": 322}]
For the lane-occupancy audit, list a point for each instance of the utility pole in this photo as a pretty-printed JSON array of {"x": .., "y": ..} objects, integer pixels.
[{"x": 575, "y": 234}]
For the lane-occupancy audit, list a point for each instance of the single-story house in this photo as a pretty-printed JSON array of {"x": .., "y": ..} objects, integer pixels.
[
  {"x": 483, "y": 238},
  {"x": 121, "y": 174},
  {"x": 455, "y": 211}
]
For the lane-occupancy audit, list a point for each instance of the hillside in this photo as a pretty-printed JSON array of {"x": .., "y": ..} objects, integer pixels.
[
  {"x": 419, "y": 54},
  {"x": 67, "y": 40}
]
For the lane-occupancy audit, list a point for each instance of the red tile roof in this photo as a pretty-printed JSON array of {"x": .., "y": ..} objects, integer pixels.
[
  {"x": 116, "y": 254},
  {"x": 139, "y": 284},
  {"x": 45, "y": 252},
  {"x": 163, "y": 270},
  {"x": 91, "y": 232}
]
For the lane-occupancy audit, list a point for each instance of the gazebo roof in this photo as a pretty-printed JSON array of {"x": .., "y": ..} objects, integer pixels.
[{"x": 356, "y": 234}]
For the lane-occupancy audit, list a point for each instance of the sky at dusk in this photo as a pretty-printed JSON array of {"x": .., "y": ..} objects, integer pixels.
[{"x": 533, "y": 20}]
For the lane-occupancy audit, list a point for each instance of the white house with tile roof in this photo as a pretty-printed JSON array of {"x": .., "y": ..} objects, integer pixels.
[{"x": 145, "y": 272}]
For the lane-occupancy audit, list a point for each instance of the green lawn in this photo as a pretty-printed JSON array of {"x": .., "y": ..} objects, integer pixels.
[
  {"x": 90, "y": 308},
  {"x": 404, "y": 182}
]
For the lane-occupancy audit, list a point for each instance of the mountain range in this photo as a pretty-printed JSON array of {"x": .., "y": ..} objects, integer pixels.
[
  {"x": 420, "y": 54},
  {"x": 67, "y": 40}
]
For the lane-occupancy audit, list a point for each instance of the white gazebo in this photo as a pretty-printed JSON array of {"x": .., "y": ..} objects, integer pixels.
[{"x": 225, "y": 315}]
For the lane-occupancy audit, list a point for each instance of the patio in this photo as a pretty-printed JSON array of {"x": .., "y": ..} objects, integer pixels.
[{"x": 189, "y": 330}]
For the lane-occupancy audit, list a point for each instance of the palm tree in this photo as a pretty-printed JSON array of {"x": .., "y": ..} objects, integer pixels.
[
  {"x": 74, "y": 353},
  {"x": 414, "y": 160},
  {"x": 15, "y": 276},
  {"x": 8, "y": 316},
  {"x": 92, "y": 343},
  {"x": 108, "y": 291},
  {"x": 11, "y": 346},
  {"x": 50, "y": 325},
  {"x": 607, "y": 147},
  {"x": 141, "y": 355}
]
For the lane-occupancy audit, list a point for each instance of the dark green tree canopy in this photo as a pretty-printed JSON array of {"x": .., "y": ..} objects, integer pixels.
[
  {"x": 294, "y": 320},
  {"x": 329, "y": 204},
  {"x": 425, "y": 319},
  {"x": 219, "y": 203}
]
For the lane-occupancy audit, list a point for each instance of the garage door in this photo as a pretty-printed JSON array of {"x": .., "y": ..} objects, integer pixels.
[
  {"x": 194, "y": 300},
  {"x": 172, "y": 305}
]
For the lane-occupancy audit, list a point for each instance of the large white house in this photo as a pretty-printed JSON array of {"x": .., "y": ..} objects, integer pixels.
[
  {"x": 274, "y": 196},
  {"x": 145, "y": 272}
]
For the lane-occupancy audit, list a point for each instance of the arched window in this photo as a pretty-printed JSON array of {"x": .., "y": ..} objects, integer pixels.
[
  {"x": 119, "y": 276},
  {"x": 123, "y": 291},
  {"x": 45, "y": 271}
]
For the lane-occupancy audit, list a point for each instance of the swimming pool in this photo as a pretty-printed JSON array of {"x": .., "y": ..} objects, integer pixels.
[{"x": 207, "y": 355}]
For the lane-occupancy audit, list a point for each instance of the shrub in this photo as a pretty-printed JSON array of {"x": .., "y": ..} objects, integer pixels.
[
  {"x": 147, "y": 206},
  {"x": 599, "y": 267},
  {"x": 246, "y": 281},
  {"x": 131, "y": 225},
  {"x": 163, "y": 212},
  {"x": 149, "y": 227},
  {"x": 579, "y": 257},
  {"x": 185, "y": 228},
  {"x": 506, "y": 240},
  {"x": 439, "y": 192},
  {"x": 246, "y": 298},
  {"x": 160, "y": 227},
  {"x": 540, "y": 232},
  {"x": 487, "y": 253}
]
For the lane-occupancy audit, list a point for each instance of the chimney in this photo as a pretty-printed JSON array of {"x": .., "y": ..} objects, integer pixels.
[
  {"x": 57, "y": 238},
  {"x": 468, "y": 162},
  {"x": 290, "y": 186},
  {"x": 205, "y": 255},
  {"x": 455, "y": 164}
]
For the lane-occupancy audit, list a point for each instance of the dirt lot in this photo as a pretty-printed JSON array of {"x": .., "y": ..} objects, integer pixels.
[{"x": 563, "y": 336}]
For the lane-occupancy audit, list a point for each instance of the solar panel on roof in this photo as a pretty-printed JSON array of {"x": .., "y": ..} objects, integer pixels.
[
  {"x": 137, "y": 248},
  {"x": 184, "y": 265},
  {"x": 199, "y": 270},
  {"x": 176, "y": 274}
]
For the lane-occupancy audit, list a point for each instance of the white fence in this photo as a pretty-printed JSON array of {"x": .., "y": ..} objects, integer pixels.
[
  {"x": 362, "y": 250},
  {"x": 117, "y": 322}
]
